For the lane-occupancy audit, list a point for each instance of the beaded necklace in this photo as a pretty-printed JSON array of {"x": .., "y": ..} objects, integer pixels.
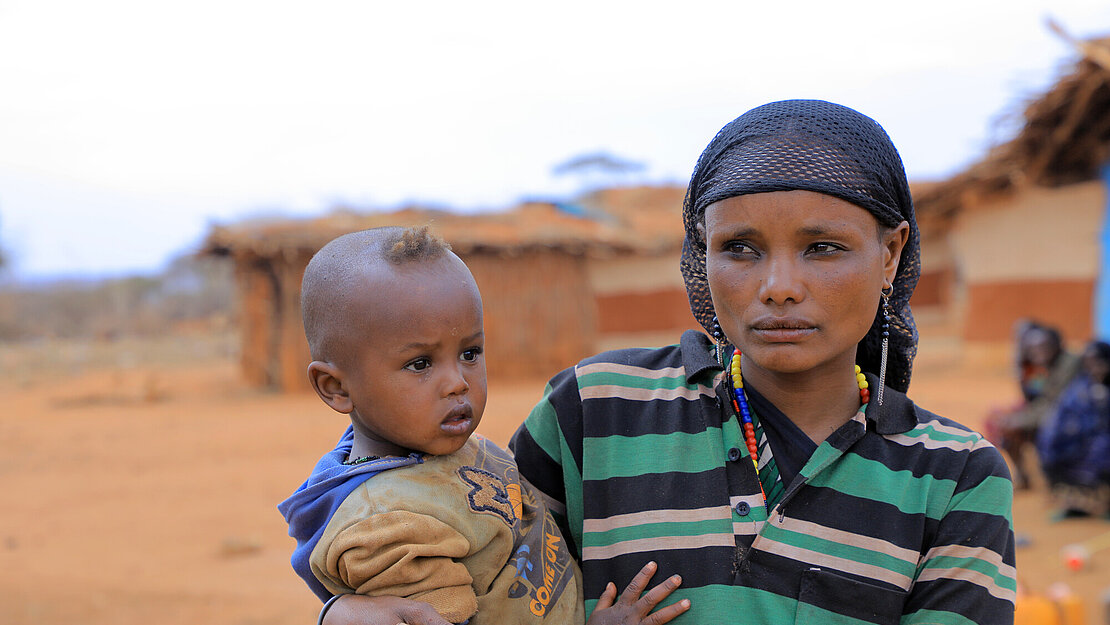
[
  {"x": 354, "y": 461},
  {"x": 740, "y": 404}
]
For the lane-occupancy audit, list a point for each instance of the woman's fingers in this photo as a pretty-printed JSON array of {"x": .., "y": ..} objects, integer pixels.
[
  {"x": 635, "y": 587},
  {"x": 608, "y": 597},
  {"x": 659, "y": 593},
  {"x": 667, "y": 614}
]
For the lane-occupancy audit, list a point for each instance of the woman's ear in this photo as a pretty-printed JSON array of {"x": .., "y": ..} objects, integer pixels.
[
  {"x": 327, "y": 380},
  {"x": 894, "y": 240}
]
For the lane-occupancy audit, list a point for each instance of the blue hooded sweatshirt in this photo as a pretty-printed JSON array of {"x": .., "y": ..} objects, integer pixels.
[{"x": 310, "y": 508}]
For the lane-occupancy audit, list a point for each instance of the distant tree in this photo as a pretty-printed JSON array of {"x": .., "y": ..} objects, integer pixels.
[
  {"x": 597, "y": 161},
  {"x": 599, "y": 169}
]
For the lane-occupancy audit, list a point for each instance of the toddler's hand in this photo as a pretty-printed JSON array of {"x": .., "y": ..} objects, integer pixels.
[{"x": 631, "y": 608}]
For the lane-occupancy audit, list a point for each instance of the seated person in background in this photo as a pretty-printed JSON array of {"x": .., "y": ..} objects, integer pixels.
[
  {"x": 1074, "y": 442},
  {"x": 412, "y": 503},
  {"x": 1044, "y": 369}
]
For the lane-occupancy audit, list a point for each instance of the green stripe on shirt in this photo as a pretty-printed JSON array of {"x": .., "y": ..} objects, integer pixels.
[
  {"x": 869, "y": 479},
  {"x": 624, "y": 456}
]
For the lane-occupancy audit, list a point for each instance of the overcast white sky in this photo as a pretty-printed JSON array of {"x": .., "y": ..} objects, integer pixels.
[{"x": 128, "y": 127}]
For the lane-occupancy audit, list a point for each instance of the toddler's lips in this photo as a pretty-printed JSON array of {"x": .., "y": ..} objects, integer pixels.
[{"x": 458, "y": 420}]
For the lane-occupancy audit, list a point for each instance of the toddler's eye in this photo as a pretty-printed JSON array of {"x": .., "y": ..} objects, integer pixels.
[
  {"x": 471, "y": 354},
  {"x": 419, "y": 364}
]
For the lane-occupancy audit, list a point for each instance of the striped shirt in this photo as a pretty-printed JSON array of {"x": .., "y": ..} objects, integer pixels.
[{"x": 899, "y": 516}]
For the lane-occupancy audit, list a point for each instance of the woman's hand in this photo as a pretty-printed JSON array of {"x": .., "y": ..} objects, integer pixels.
[
  {"x": 631, "y": 608},
  {"x": 363, "y": 610}
]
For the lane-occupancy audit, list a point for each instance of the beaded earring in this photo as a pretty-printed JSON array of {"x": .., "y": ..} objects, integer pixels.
[
  {"x": 718, "y": 341},
  {"x": 886, "y": 340}
]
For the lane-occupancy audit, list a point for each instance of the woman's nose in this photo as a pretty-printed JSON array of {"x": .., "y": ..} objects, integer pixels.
[{"x": 781, "y": 282}]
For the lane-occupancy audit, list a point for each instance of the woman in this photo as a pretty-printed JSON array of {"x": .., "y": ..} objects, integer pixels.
[
  {"x": 1044, "y": 369},
  {"x": 1074, "y": 442},
  {"x": 781, "y": 485}
]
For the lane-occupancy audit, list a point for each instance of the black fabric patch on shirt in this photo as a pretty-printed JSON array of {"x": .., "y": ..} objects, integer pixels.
[{"x": 789, "y": 444}]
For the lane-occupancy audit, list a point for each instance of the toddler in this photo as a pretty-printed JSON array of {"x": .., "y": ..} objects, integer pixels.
[{"x": 412, "y": 503}]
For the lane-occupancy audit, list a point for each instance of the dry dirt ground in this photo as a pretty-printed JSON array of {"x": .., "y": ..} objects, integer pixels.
[{"x": 139, "y": 483}]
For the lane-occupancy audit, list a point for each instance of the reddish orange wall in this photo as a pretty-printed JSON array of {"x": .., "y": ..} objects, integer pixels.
[
  {"x": 993, "y": 307},
  {"x": 934, "y": 288},
  {"x": 665, "y": 309}
]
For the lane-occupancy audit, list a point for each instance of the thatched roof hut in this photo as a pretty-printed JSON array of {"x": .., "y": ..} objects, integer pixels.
[
  {"x": 555, "y": 278},
  {"x": 1023, "y": 222},
  {"x": 1065, "y": 139}
]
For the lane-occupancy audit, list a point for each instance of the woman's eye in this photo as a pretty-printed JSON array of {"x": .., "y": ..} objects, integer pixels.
[
  {"x": 824, "y": 248},
  {"x": 735, "y": 247},
  {"x": 419, "y": 364},
  {"x": 471, "y": 354}
]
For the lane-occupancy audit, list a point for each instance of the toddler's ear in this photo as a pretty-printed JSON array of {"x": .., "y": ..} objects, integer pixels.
[{"x": 327, "y": 381}]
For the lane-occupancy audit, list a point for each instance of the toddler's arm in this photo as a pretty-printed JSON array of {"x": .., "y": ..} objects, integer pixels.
[{"x": 402, "y": 554}]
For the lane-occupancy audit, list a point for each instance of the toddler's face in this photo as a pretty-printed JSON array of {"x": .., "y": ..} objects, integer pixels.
[{"x": 417, "y": 373}]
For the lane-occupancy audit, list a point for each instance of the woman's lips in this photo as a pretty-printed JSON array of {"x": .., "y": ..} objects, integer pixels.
[{"x": 783, "y": 330}]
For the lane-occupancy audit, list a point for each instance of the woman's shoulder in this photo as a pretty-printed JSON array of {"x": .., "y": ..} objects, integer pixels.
[
  {"x": 928, "y": 419},
  {"x": 898, "y": 414},
  {"x": 633, "y": 355},
  {"x": 934, "y": 444},
  {"x": 902, "y": 420}
]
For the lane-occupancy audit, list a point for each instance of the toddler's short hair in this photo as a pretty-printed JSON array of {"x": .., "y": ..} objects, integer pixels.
[{"x": 412, "y": 244}]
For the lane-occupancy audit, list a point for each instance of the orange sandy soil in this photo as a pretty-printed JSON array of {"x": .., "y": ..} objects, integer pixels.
[{"x": 141, "y": 489}]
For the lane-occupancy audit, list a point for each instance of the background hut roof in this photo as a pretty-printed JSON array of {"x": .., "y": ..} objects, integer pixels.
[
  {"x": 1065, "y": 139},
  {"x": 638, "y": 219}
]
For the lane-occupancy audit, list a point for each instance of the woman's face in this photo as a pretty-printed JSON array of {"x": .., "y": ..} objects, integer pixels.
[
  {"x": 796, "y": 276},
  {"x": 1040, "y": 348}
]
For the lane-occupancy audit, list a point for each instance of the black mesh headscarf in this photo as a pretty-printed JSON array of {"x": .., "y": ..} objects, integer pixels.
[{"x": 810, "y": 145}]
